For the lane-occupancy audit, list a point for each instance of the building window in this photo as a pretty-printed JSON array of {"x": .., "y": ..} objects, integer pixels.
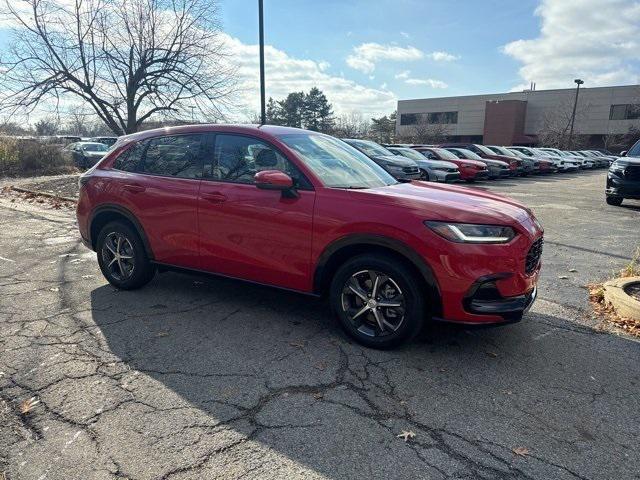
[
  {"x": 432, "y": 117},
  {"x": 624, "y": 112}
]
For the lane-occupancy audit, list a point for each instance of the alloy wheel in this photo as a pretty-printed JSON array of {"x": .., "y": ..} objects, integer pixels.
[
  {"x": 373, "y": 303},
  {"x": 118, "y": 256}
]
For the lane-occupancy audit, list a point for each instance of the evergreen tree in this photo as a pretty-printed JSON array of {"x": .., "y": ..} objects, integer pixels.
[
  {"x": 383, "y": 129},
  {"x": 274, "y": 113},
  {"x": 292, "y": 109},
  {"x": 317, "y": 112}
]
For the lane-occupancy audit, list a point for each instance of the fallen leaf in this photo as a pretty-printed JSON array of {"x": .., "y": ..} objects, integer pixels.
[
  {"x": 318, "y": 395},
  {"x": 492, "y": 354},
  {"x": 162, "y": 334},
  {"x": 573, "y": 270},
  {"x": 320, "y": 365},
  {"x": 27, "y": 405},
  {"x": 297, "y": 344},
  {"x": 562, "y": 277},
  {"x": 54, "y": 289},
  {"x": 406, "y": 435},
  {"x": 88, "y": 276},
  {"x": 522, "y": 451},
  {"x": 507, "y": 392}
]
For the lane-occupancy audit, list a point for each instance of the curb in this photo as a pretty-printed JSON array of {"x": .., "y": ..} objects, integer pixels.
[
  {"x": 624, "y": 304},
  {"x": 44, "y": 194}
]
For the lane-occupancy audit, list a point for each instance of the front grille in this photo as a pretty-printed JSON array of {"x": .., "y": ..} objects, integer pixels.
[
  {"x": 632, "y": 172},
  {"x": 533, "y": 257}
]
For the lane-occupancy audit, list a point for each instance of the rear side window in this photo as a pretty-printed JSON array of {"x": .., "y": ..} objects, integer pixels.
[
  {"x": 128, "y": 160},
  {"x": 178, "y": 156},
  {"x": 238, "y": 158}
]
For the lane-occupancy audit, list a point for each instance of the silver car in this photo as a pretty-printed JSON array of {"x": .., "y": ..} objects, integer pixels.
[{"x": 431, "y": 170}]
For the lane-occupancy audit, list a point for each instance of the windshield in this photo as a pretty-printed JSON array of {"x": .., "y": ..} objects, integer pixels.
[
  {"x": 410, "y": 153},
  {"x": 517, "y": 153},
  {"x": 469, "y": 154},
  {"x": 94, "y": 147},
  {"x": 336, "y": 163},
  {"x": 484, "y": 150},
  {"x": 445, "y": 154},
  {"x": 370, "y": 148}
]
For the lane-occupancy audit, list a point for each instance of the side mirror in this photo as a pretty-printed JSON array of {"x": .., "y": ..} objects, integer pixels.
[
  {"x": 273, "y": 180},
  {"x": 623, "y": 153}
]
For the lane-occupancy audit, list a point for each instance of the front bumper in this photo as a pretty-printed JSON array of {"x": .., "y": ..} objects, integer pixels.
[
  {"x": 447, "y": 177},
  {"x": 484, "y": 298},
  {"x": 620, "y": 187}
]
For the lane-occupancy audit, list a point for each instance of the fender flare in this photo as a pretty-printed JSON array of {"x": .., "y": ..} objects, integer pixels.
[{"x": 120, "y": 210}]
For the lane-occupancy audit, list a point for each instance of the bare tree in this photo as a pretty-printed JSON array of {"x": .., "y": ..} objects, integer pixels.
[
  {"x": 128, "y": 60},
  {"x": 555, "y": 126},
  {"x": 351, "y": 125},
  {"x": 428, "y": 133}
]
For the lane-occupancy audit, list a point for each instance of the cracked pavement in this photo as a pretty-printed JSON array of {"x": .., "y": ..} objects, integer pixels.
[{"x": 195, "y": 377}]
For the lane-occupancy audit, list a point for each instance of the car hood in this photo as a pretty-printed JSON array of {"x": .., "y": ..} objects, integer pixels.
[
  {"x": 395, "y": 160},
  {"x": 442, "y": 202}
]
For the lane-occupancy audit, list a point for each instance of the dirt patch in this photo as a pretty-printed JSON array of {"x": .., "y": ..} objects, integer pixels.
[
  {"x": 62, "y": 186},
  {"x": 33, "y": 198}
]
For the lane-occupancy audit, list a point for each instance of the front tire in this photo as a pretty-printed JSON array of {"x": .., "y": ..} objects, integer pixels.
[
  {"x": 615, "y": 201},
  {"x": 378, "y": 300},
  {"x": 122, "y": 257}
]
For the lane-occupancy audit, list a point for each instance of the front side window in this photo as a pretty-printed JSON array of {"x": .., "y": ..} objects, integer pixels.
[
  {"x": 336, "y": 163},
  {"x": 178, "y": 156},
  {"x": 238, "y": 158}
]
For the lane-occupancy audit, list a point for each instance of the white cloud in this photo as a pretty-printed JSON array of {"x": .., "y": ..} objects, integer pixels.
[
  {"x": 285, "y": 74},
  {"x": 442, "y": 57},
  {"x": 366, "y": 55},
  {"x": 405, "y": 34},
  {"x": 596, "y": 40},
  {"x": 428, "y": 81},
  {"x": 403, "y": 75}
]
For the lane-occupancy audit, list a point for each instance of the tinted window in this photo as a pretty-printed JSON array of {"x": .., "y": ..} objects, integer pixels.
[
  {"x": 129, "y": 159},
  {"x": 238, "y": 158},
  {"x": 175, "y": 156},
  {"x": 635, "y": 150}
]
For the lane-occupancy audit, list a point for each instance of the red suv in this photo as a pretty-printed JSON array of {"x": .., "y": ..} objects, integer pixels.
[{"x": 305, "y": 211}]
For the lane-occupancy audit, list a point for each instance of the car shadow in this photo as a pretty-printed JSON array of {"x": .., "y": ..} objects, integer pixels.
[{"x": 274, "y": 367}]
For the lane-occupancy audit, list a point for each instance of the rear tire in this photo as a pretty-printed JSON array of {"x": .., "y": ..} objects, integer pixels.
[
  {"x": 122, "y": 257},
  {"x": 615, "y": 201},
  {"x": 378, "y": 300}
]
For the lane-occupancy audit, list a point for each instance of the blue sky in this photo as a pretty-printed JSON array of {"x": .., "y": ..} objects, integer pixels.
[
  {"x": 328, "y": 30},
  {"x": 366, "y": 55}
]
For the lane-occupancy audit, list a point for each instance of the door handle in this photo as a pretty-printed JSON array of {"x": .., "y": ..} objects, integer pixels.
[
  {"x": 133, "y": 188},
  {"x": 215, "y": 197}
]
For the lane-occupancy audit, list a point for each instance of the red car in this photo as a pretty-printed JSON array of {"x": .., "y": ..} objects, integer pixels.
[
  {"x": 305, "y": 211},
  {"x": 470, "y": 170},
  {"x": 515, "y": 164}
]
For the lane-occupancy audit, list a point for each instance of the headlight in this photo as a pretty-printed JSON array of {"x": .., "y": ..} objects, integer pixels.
[
  {"x": 472, "y": 233},
  {"x": 617, "y": 169}
]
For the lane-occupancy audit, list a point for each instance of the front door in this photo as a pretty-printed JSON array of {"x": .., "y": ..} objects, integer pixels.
[{"x": 245, "y": 232}]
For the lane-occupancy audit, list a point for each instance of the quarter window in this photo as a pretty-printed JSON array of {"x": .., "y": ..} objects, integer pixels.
[
  {"x": 128, "y": 160},
  {"x": 175, "y": 156},
  {"x": 238, "y": 158}
]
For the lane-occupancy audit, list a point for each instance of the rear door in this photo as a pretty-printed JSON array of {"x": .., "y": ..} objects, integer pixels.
[
  {"x": 250, "y": 233},
  {"x": 158, "y": 181}
]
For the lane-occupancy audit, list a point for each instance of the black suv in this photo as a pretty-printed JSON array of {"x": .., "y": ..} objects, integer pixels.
[
  {"x": 623, "y": 179},
  {"x": 400, "y": 167}
]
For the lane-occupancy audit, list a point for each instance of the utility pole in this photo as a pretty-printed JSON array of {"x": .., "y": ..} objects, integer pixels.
[
  {"x": 573, "y": 115},
  {"x": 263, "y": 113}
]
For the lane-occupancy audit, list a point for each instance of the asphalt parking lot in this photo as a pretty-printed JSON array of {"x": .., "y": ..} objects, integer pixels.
[{"x": 196, "y": 377}]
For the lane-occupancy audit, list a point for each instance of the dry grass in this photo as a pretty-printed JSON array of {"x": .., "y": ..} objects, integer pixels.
[{"x": 633, "y": 268}]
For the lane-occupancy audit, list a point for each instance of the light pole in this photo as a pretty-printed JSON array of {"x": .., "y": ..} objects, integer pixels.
[
  {"x": 573, "y": 115},
  {"x": 263, "y": 113}
]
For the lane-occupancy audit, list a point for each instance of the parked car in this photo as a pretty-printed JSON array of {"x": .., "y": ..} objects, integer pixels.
[
  {"x": 584, "y": 163},
  {"x": 431, "y": 170},
  {"x": 599, "y": 162},
  {"x": 108, "y": 141},
  {"x": 516, "y": 166},
  {"x": 596, "y": 153},
  {"x": 307, "y": 212},
  {"x": 537, "y": 164},
  {"x": 497, "y": 169},
  {"x": 400, "y": 167},
  {"x": 85, "y": 154},
  {"x": 470, "y": 170},
  {"x": 623, "y": 178},
  {"x": 566, "y": 164}
]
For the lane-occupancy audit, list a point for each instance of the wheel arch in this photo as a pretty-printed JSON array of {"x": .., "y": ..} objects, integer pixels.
[
  {"x": 347, "y": 247},
  {"x": 109, "y": 213}
]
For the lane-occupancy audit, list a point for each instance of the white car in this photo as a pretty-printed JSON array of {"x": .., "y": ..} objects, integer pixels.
[
  {"x": 562, "y": 164},
  {"x": 582, "y": 161}
]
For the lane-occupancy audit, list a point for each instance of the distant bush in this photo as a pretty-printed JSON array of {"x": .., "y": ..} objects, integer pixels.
[{"x": 24, "y": 157}]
